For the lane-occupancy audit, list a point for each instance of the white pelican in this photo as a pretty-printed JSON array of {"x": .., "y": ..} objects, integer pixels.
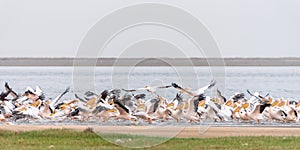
[
  {"x": 198, "y": 91},
  {"x": 189, "y": 111},
  {"x": 148, "y": 88},
  {"x": 55, "y": 101},
  {"x": 124, "y": 112},
  {"x": 34, "y": 94}
]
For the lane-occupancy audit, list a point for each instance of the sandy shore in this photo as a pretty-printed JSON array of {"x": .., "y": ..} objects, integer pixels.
[{"x": 180, "y": 132}]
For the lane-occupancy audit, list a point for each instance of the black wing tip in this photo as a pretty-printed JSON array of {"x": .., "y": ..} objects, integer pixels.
[
  {"x": 90, "y": 93},
  {"x": 175, "y": 85},
  {"x": 76, "y": 96},
  {"x": 140, "y": 96},
  {"x": 68, "y": 88},
  {"x": 212, "y": 83},
  {"x": 121, "y": 105},
  {"x": 7, "y": 86},
  {"x": 42, "y": 97},
  {"x": 168, "y": 86},
  {"x": 267, "y": 94},
  {"x": 126, "y": 90},
  {"x": 249, "y": 92},
  {"x": 219, "y": 91}
]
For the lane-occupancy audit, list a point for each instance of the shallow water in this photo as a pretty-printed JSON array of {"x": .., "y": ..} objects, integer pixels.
[{"x": 279, "y": 81}]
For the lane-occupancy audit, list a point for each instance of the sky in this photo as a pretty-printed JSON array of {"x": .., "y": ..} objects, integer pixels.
[{"x": 55, "y": 28}]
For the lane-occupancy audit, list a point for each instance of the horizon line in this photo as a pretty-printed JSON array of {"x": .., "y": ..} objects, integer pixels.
[
  {"x": 232, "y": 57},
  {"x": 140, "y": 61}
]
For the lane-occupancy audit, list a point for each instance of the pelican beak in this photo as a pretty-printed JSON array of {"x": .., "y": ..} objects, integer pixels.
[
  {"x": 35, "y": 104},
  {"x": 235, "y": 105},
  {"x": 171, "y": 105},
  {"x": 23, "y": 109},
  {"x": 53, "y": 113},
  {"x": 141, "y": 106},
  {"x": 73, "y": 101},
  {"x": 111, "y": 102},
  {"x": 237, "y": 110},
  {"x": 63, "y": 107},
  {"x": 186, "y": 105},
  {"x": 270, "y": 101},
  {"x": 48, "y": 102},
  {"x": 229, "y": 103},
  {"x": 17, "y": 105},
  {"x": 111, "y": 110},
  {"x": 281, "y": 104},
  {"x": 275, "y": 103},
  {"x": 246, "y": 105},
  {"x": 201, "y": 104}
]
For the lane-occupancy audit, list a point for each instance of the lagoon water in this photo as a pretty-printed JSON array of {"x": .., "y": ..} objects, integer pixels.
[{"x": 278, "y": 81}]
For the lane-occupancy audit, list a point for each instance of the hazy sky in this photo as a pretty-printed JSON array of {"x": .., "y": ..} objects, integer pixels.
[{"x": 242, "y": 28}]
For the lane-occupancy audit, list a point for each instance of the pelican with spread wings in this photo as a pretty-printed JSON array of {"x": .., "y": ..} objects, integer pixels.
[{"x": 196, "y": 92}]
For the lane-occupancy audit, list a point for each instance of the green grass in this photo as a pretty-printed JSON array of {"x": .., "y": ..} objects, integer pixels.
[{"x": 69, "y": 139}]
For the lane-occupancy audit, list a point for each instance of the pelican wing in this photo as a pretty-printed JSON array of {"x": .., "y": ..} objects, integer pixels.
[
  {"x": 253, "y": 94},
  {"x": 163, "y": 87},
  {"x": 3, "y": 95},
  {"x": 56, "y": 100},
  {"x": 82, "y": 107},
  {"x": 140, "y": 96},
  {"x": 223, "y": 99},
  {"x": 38, "y": 91},
  {"x": 89, "y": 93},
  {"x": 99, "y": 109},
  {"x": 81, "y": 99},
  {"x": 149, "y": 89},
  {"x": 115, "y": 92},
  {"x": 127, "y": 90},
  {"x": 104, "y": 94},
  {"x": 29, "y": 89},
  {"x": 179, "y": 88},
  {"x": 12, "y": 93},
  {"x": 267, "y": 94},
  {"x": 122, "y": 108},
  {"x": 203, "y": 89},
  {"x": 134, "y": 90}
]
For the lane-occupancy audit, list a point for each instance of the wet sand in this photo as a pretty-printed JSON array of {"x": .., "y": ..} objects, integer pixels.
[{"x": 179, "y": 132}]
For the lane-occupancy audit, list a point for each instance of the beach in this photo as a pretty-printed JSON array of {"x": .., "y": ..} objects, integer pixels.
[{"x": 187, "y": 132}]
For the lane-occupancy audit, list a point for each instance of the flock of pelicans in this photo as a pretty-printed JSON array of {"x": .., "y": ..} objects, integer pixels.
[{"x": 123, "y": 104}]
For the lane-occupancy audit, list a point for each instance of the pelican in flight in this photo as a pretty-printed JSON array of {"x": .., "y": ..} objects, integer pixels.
[
  {"x": 148, "y": 88},
  {"x": 196, "y": 92}
]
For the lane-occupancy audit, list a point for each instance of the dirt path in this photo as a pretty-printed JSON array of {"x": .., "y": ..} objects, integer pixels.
[{"x": 181, "y": 132}]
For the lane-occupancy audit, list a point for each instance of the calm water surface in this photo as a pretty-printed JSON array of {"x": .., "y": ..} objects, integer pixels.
[{"x": 279, "y": 81}]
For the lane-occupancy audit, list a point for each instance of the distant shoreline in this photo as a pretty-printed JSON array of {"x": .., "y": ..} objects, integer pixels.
[{"x": 288, "y": 61}]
